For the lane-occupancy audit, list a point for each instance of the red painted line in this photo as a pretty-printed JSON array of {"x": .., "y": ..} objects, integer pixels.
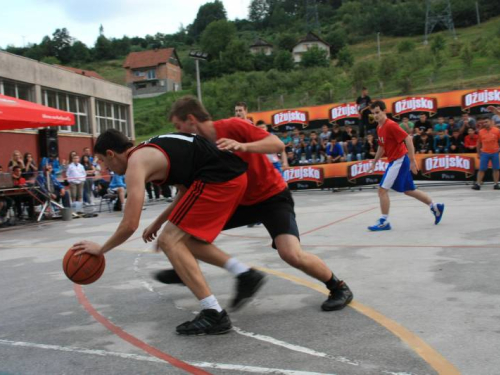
[
  {"x": 337, "y": 221},
  {"x": 132, "y": 339}
]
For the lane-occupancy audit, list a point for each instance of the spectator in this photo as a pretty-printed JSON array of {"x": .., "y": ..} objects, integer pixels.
[
  {"x": 441, "y": 126},
  {"x": 324, "y": 138},
  {"x": 295, "y": 139},
  {"x": 117, "y": 186},
  {"x": 423, "y": 143},
  {"x": 487, "y": 150},
  {"x": 423, "y": 125},
  {"x": 347, "y": 134},
  {"x": 456, "y": 142},
  {"x": 354, "y": 149},
  {"x": 150, "y": 188},
  {"x": 54, "y": 161},
  {"x": 363, "y": 102},
  {"x": 30, "y": 168},
  {"x": 470, "y": 141},
  {"x": 314, "y": 146},
  {"x": 19, "y": 200},
  {"x": 467, "y": 122},
  {"x": 86, "y": 152},
  {"x": 16, "y": 161},
  {"x": 334, "y": 152},
  {"x": 76, "y": 175},
  {"x": 241, "y": 111},
  {"x": 407, "y": 125},
  {"x": 51, "y": 187},
  {"x": 441, "y": 143},
  {"x": 452, "y": 126},
  {"x": 88, "y": 186},
  {"x": 496, "y": 114},
  {"x": 292, "y": 159},
  {"x": 303, "y": 147},
  {"x": 287, "y": 140},
  {"x": 336, "y": 133},
  {"x": 370, "y": 147}
]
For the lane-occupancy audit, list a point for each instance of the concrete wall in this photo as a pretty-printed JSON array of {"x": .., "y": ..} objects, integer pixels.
[
  {"x": 299, "y": 49},
  {"x": 266, "y": 50}
]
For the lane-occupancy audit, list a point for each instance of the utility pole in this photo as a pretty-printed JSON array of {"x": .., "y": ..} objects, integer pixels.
[
  {"x": 378, "y": 45},
  {"x": 197, "y": 56},
  {"x": 312, "y": 19},
  {"x": 438, "y": 12},
  {"x": 477, "y": 13}
]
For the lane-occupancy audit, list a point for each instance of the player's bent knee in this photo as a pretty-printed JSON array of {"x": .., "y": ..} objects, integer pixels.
[{"x": 293, "y": 258}]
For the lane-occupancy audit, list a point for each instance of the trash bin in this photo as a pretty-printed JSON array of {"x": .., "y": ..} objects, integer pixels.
[{"x": 66, "y": 213}]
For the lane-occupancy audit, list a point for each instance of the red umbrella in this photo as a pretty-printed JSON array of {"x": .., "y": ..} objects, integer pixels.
[{"x": 18, "y": 114}]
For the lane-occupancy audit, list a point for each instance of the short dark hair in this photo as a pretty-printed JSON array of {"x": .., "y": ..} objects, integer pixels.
[
  {"x": 15, "y": 168},
  {"x": 188, "y": 105},
  {"x": 422, "y": 114},
  {"x": 241, "y": 104},
  {"x": 378, "y": 103},
  {"x": 261, "y": 122},
  {"x": 113, "y": 140}
]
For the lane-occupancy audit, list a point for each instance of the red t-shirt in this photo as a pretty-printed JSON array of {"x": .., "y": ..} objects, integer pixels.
[
  {"x": 391, "y": 137},
  {"x": 264, "y": 181}
]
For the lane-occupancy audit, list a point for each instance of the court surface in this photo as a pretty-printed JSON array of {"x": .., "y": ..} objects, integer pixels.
[{"x": 426, "y": 297}]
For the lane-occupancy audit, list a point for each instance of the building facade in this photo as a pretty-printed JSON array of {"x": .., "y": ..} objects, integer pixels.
[
  {"x": 152, "y": 73},
  {"x": 306, "y": 44},
  {"x": 261, "y": 46},
  {"x": 97, "y": 105}
]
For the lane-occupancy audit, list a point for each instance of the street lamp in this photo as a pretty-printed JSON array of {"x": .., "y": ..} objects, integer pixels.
[{"x": 197, "y": 56}]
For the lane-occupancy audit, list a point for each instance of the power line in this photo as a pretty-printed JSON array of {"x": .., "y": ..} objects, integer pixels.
[{"x": 438, "y": 12}]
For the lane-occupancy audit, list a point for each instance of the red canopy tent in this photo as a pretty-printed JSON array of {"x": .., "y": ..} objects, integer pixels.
[{"x": 19, "y": 114}]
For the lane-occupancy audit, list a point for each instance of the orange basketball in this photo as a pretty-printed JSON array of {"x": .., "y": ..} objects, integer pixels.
[{"x": 84, "y": 268}]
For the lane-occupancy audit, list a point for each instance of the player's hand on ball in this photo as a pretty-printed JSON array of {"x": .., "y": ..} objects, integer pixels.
[
  {"x": 151, "y": 232},
  {"x": 87, "y": 247},
  {"x": 226, "y": 144}
]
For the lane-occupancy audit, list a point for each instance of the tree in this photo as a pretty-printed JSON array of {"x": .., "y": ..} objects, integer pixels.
[
  {"x": 79, "y": 52},
  {"x": 361, "y": 72},
  {"x": 51, "y": 60},
  {"x": 314, "y": 57},
  {"x": 345, "y": 59},
  {"x": 438, "y": 44},
  {"x": 61, "y": 44},
  {"x": 284, "y": 61},
  {"x": 263, "y": 62},
  {"x": 237, "y": 57},
  {"x": 102, "y": 48},
  {"x": 207, "y": 13},
  {"x": 337, "y": 39},
  {"x": 287, "y": 41},
  {"x": 258, "y": 11},
  {"x": 467, "y": 56},
  {"x": 217, "y": 36},
  {"x": 406, "y": 46}
]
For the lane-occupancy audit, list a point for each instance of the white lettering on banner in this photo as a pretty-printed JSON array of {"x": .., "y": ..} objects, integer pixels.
[
  {"x": 415, "y": 104},
  {"x": 303, "y": 173},
  {"x": 364, "y": 168},
  {"x": 342, "y": 111},
  {"x": 447, "y": 162},
  {"x": 482, "y": 97},
  {"x": 289, "y": 116},
  {"x": 61, "y": 118}
]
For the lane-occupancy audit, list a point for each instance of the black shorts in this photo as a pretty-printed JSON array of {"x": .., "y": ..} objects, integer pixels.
[{"x": 276, "y": 213}]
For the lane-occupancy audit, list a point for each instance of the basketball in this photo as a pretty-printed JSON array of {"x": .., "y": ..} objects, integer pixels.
[{"x": 84, "y": 268}]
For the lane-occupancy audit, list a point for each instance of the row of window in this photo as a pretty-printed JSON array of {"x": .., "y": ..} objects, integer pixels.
[{"x": 108, "y": 115}]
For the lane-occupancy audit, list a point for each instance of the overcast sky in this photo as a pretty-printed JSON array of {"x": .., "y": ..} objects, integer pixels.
[{"x": 28, "y": 21}]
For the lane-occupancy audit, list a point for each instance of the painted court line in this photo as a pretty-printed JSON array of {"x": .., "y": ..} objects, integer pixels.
[
  {"x": 419, "y": 346},
  {"x": 104, "y": 353}
]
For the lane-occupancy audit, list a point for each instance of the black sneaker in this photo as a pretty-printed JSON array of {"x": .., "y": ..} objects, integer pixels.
[
  {"x": 496, "y": 187},
  {"x": 247, "y": 285},
  {"x": 339, "y": 298},
  {"x": 476, "y": 187},
  {"x": 207, "y": 322},
  {"x": 168, "y": 277}
]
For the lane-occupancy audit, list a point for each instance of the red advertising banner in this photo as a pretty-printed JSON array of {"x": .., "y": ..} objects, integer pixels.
[
  {"x": 480, "y": 98},
  {"x": 309, "y": 173},
  {"x": 343, "y": 111},
  {"x": 290, "y": 117},
  {"x": 362, "y": 169},
  {"x": 455, "y": 163},
  {"x": 414, "y": 104}
]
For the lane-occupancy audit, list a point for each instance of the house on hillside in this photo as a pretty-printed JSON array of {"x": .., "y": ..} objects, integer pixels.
[
  {"x": 83, "y": 72},
  {"x": 261, "y": 46},
  {"x": 307, "y": 43},
  {"x": 154, "y": 72}
]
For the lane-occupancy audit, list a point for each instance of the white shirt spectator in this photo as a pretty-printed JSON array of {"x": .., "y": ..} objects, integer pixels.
[{"x": 76, "y": 173}]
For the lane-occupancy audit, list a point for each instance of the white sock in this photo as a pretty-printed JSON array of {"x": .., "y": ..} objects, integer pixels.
[
  {"x": 385, "y": 217},
  {"x": 234, "y": 266},
  {"x": 210, "y": 303},
  {"x": 431, "y": 205}
]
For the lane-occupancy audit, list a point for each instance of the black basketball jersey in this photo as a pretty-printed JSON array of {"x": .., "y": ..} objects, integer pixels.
[{"x": 192, "y": 158}]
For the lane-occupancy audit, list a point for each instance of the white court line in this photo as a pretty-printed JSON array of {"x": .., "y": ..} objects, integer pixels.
[
  {"x": 104, "y": 353},
  {"x": 268, "y": 339}
]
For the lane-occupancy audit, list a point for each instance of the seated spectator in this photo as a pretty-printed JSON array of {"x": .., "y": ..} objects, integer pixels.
[
  {"x": 441, "y": 143},
  {"x": 470, "y": 141},
  {"x": 456, "y": 142},
  {"x": 423, "y": 125},
  {"x": 20, "y": 200},
  {"x": 336, "y": 133},
  {"x": 287, "y": 140},
  {"x": 407, "y": 125},
  {"x": 370, "y": 147},
  {"x": 16, "y": 161},
  {"x": 355, "y": 149},
  {"x": 314, "y": 146},
  {"x": 117, "y": 186},
  {"x": 423, "y": 143},
  {"x": 496, "y": 114},
  {"x": 347, "y": 134},
  {"x": 467, "y": 122},
  {"x": 324, "y": 136},
  {"x": 292, "y": 159},
  {"x": 303, "y": 147},
  {"x": 452, "y": 126},
  {"x": 54, "y": 161},
  {"x": 334, "y": 152},
  {"x": 51, "y": 187},
  {"x": 76, "y": 175},
  {"x": 30, "y": 168},
  {"x": 441, "y": 126}
]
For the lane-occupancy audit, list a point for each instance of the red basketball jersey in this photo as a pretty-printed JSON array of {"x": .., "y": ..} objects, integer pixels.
[{"x": 391, "y": 137}]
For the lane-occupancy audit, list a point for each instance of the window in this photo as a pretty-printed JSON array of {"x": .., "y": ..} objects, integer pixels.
[
  {"x": 152, "y": 74},
  {"x": 16, "y": 89},
  {"x": 141, "y": 86},
  {"x": 112, "y": 116},
  {"x": 139, "y": 73},
  {"x": 71, "y": 103}
]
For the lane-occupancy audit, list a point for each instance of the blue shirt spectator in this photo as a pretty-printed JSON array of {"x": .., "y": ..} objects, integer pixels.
[
  {"x": 334, "y": 152},
  {"x": 441, "y": 143},
  {"x": 117, "y": 181},
  {"x": 441, "y": 126},
  {"x": 56, "y": 167}
]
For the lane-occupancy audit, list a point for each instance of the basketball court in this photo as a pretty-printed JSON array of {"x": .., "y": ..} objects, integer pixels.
[{"x": 426, "y": 297}]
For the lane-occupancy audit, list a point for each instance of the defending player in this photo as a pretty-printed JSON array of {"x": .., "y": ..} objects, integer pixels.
[{"x": 391, "y": 143}]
